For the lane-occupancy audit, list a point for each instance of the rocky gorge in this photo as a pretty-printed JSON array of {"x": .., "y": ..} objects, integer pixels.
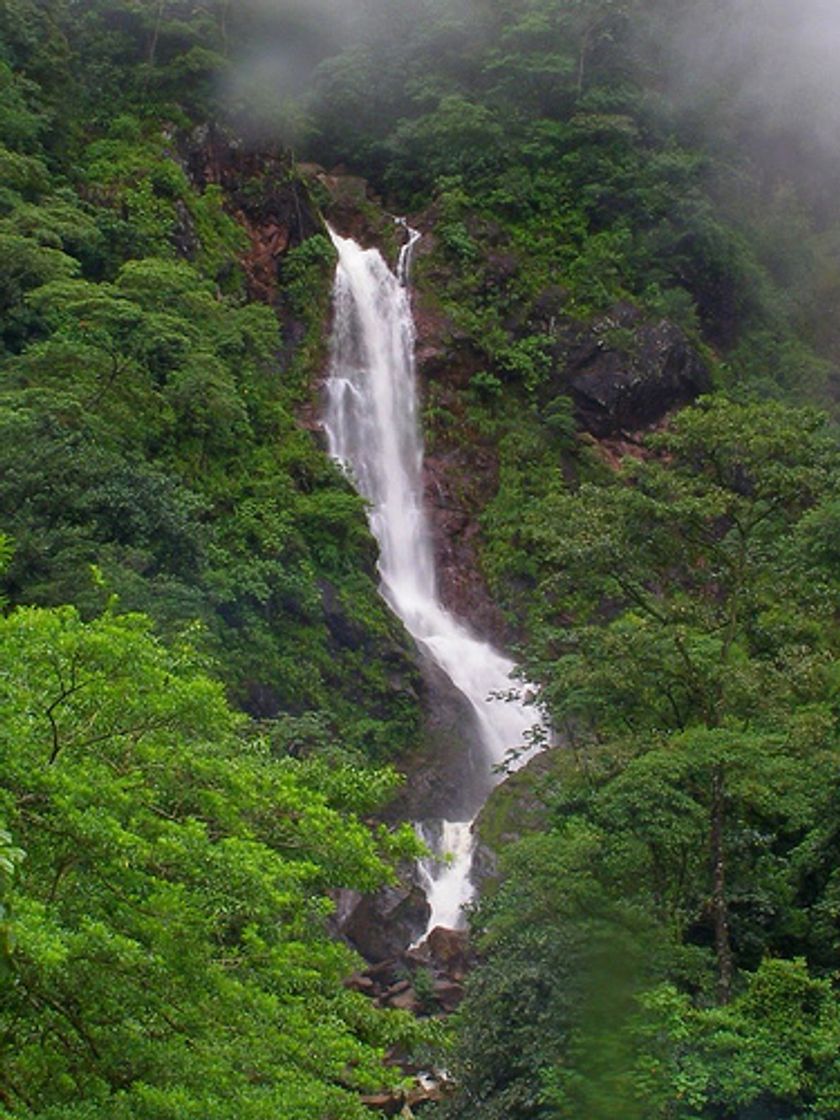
[{"x": 621, "y": 373}]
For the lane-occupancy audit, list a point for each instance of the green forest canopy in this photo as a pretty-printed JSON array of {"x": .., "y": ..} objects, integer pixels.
[{"x": 197, "y": 672}]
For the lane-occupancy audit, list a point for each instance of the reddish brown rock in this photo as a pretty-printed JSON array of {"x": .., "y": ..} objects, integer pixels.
[
  {"x": 460, "y": 468},
  {"x": 385, "y": 972},
  {"x": 449, "y": 995},
  {"x": 419, "y": 956},
  {"x": 450, "y": 950},
  {"x": 389, "y": 1104},
  {"x": 459, "y": 482},
  {"x": 277, "y": 217},
  {"x": 406, "y": 1001},
  {"x": 358, "y": 982}
]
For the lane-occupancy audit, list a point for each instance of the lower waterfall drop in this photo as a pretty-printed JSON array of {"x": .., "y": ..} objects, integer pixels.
[{"x": 373, "y": 432}]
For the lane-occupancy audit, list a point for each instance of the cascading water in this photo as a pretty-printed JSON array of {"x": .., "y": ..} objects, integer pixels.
[{"x": 372, "y": 430}]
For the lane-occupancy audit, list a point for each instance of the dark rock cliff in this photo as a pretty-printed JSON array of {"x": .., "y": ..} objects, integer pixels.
[
  {"x": 624, "y": 373},
  {"x": 461, "y": 469},
  {"x": 264, "y": 192}
]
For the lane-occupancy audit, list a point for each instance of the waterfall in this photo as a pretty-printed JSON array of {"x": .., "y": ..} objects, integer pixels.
[{"x": 373, "y": 432}]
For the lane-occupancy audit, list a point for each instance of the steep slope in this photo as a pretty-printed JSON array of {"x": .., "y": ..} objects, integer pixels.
[{"x": 610, "y": 230}]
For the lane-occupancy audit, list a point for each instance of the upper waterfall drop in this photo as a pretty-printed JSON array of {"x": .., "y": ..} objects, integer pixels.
[{"x": 373, "y": 431}]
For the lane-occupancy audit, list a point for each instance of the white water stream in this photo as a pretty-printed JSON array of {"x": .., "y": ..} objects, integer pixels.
[{"x": 372, "y": 429}]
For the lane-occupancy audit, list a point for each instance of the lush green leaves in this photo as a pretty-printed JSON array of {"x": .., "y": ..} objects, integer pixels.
[
  {"x": 682, "y": 625},
  {"x": 168, "y": 945}
]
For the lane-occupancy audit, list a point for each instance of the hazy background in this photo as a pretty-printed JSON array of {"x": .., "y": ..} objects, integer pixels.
[
  {"x": 778, "y": 58},
  {"x": 774, "y": 64}
]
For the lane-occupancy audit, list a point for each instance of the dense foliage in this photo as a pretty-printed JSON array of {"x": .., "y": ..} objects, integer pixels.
[
  {"x": 148, "y": 406},
  {"x": 661, "y": 945},
  {"x": 164, "y": 950},
  {"x": 675, "y": 923},
  {"x": 176, "y": 542}
]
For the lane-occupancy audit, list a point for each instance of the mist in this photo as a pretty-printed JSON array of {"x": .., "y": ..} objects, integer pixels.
[
  {"x": 285, "y": 43},
  {"x": 766, "y": 57},
  {"x": 759, "y": 73}
]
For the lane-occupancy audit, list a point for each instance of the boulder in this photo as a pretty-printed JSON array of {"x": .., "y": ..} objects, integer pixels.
[
  {"x": 389, "y": 1104},
  {"x": 418, "y": 956},
  {"x": 385, "y": 973},
  {"x": 450, "y": 950},
  {"x": 405, "y": 1001},
  {"x": 624, "y": 373},
  {"x": 382, "y": 924},
  {"x": 449, "y": 994},
  {"x": 446, "y": 777},
  {"x": 397, "y": 989},
  {"x": 358, "y": 982}
]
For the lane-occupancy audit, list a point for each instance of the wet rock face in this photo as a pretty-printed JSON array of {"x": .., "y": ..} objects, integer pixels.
[
  {"x": 624, "y": 374},
  {"x": 450, "y": 951},
  {"x": 277, "y": 214},
  {"x": 441, "y": 779},
  {"x": 381, "y": 925},
  {"x": 460, "y": 475},
  {"x": 459, "y": 482},
  {"x": 355, "y": 211}
]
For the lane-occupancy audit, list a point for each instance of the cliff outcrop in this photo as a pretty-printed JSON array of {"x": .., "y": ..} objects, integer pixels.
[
  {"x": 625, "y": 373},
  {"x": 265, "y": 192}
]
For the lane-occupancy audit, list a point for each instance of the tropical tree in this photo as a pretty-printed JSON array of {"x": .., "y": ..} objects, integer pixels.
[{"x": 165, "y": 942}]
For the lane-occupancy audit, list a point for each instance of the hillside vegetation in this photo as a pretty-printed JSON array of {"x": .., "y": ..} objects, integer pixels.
[{"x": 200, "y": 687}]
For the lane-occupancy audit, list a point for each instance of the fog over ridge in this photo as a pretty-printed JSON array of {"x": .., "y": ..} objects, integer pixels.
[{"x": 768, "y": 59}]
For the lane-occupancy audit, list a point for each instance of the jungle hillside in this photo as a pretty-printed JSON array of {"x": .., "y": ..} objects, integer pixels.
[{"x": 214, "y": 731}]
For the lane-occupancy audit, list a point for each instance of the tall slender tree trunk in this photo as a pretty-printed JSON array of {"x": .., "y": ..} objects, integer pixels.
[
  {"x": 720, "y": 909},
  {"x": 223, "y": 27},
  {"x": 153, "y": 41},
  {"x": 582, "y": 55}
]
